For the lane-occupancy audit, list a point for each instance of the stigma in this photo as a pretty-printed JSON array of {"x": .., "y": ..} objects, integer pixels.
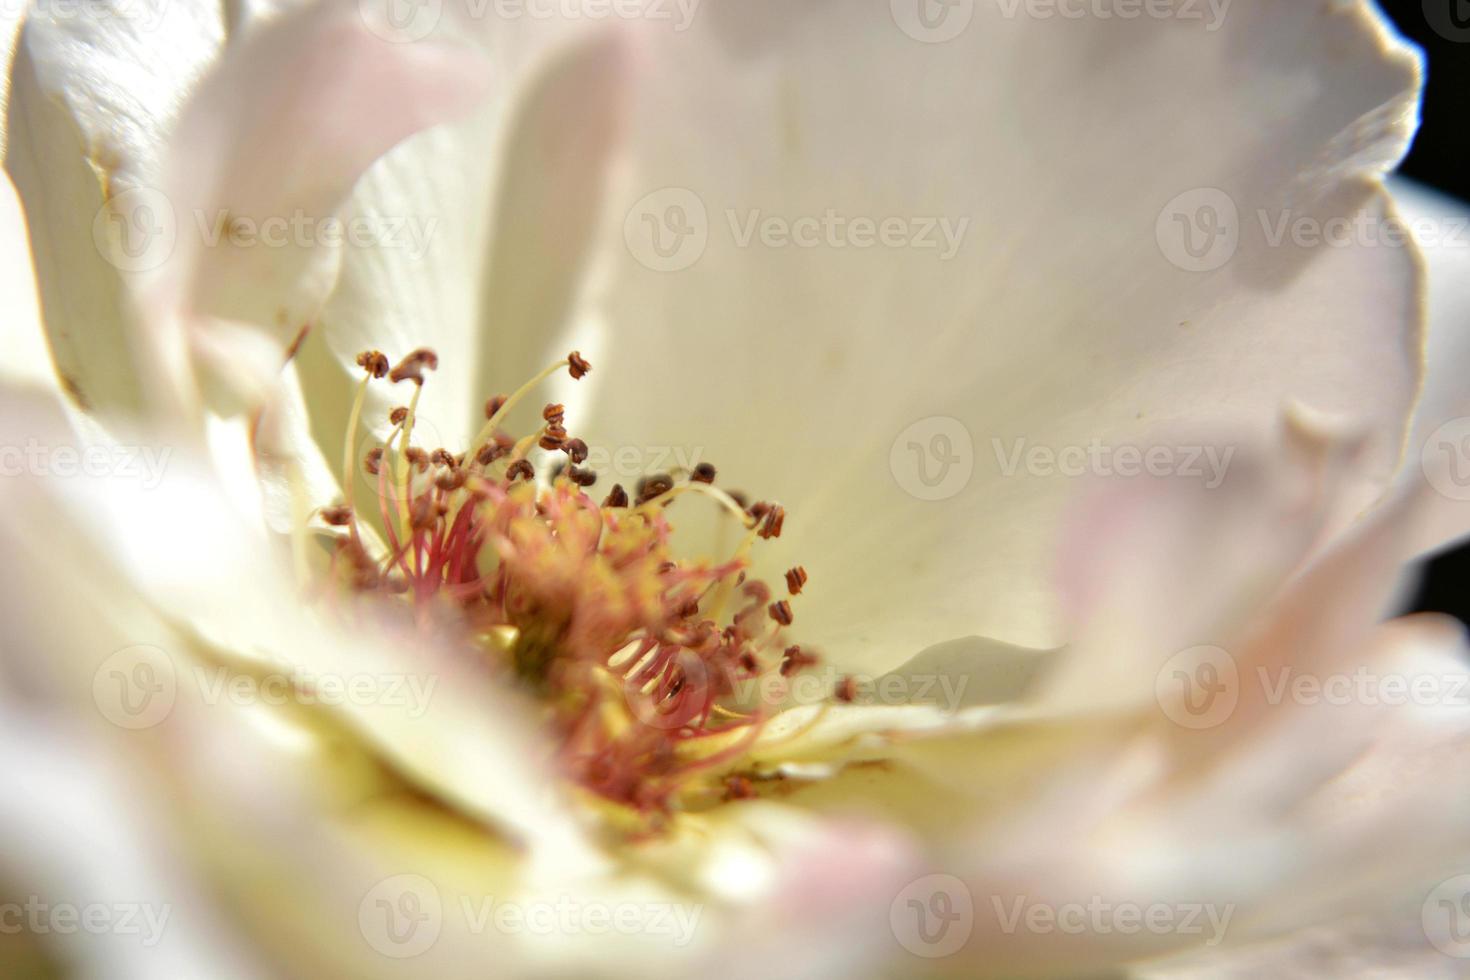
[{"x": 642, "y": 662}]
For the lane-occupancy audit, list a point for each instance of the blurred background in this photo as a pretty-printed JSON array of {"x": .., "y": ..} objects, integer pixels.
[{"x": 1440, "y": 158}]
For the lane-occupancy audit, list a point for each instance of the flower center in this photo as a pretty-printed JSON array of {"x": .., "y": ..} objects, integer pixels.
[{"x": 643, "y": 661}]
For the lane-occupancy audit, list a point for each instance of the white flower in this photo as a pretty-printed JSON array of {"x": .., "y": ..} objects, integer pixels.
[{"x": 839, "y": 250}]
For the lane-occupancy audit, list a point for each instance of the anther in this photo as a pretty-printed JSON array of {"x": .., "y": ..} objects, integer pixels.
[
  {"x": 374, "y": 362},
  {"x": 775, "y": 517},
  {"x": 489, "y": 453},
  {"x": 417, "y": 457},
  {"x": 617, "y": 497},
  {"x": 399, "y": 415},
  {"x": 493, "y": 405},
  {"x": 703, "y": 473},
  {"x": 653, "y": 486},
  {"x": 521, "y": 468},
  {"x": 373, "y": 463},
  {"x": 577, "y": 365},
  {"x": 339, "y": 515},
  {"x": 846, "y": 690},
  {"x": 781, "y": 612},
  {"x": 411, "y": 368},
  {"x": 554, "y": 414},
  {"x": 581, "y": 477},
  {"x": 795, "y": 579},
  {"x": 794, "y": 660},
  {"x": 576, "y": 449},
  {"x": 442, "y": 457},
  {"x": 450, "y": 480},
  {"x": 553, "y": 437}
]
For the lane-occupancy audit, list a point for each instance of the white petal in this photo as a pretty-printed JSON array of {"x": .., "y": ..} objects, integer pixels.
[
  {"x": 1437, "y": 450},
  {"x": 825, "y": 377}
]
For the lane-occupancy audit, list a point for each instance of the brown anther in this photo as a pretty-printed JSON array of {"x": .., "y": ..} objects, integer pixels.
[
  {"x": 781, "y": 612},
  {"x": 449, "y": 480},
  {"x": 703, "y": 473},
  {"x": 553, "y": 437},
  {"x": 653, "y": 486},
  {"x": 521, "y": 469},
  {"x": 775, "y": 517},
  {"x": 417, "y": 457},
  {"x": 576, "y": 449},
  {"x": 399, "y": 415},
  {"x": 795, "y": 579},
  {"x": 504, "y": 440},
  {"x": 411, "y": 368},
  {"x": 689, "y": 608},
  {"x": 494, "y": 405},
  {"x": 337, "y": 515},
  {"x": 489, "y": 453},
  {"x": 750, "y": 664},
  {"x": 794, "y": 660},
  {"x": 582, "y": 478},
  {"x": 373, "y": 463},
  {"x": 846, "y": 690},
  {"x": 442, "y": 457},
  {"x": 617, "y": 497},
  {"x": 739, "y": 788},
  {"x": 374, "y": 362},
  {"x": 554, "y": 413},
  {"x": 577, "y": 365}
]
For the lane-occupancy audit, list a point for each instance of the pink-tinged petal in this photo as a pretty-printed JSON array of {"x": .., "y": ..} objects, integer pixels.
[
  {"x": 270, "y": 145},
  {"x": 881, "y": 392}
]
